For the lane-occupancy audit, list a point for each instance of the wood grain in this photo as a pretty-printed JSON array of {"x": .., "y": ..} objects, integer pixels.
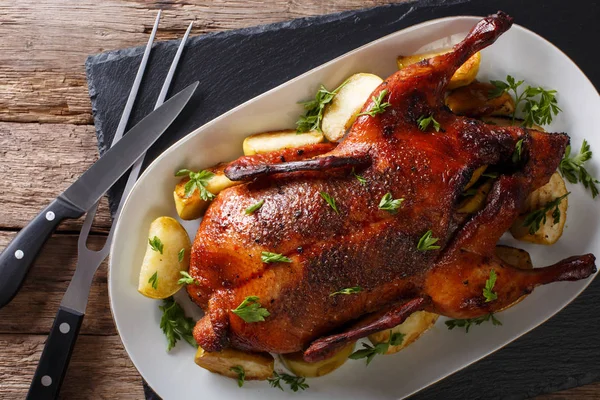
[
  {"x": 38, "y": 162},
  {"x": 99, "y": 368}
]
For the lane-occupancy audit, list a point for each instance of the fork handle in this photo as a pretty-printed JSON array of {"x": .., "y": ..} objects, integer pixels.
[
  {"x": 55, "y": 358},
  {"x": 17, "y": 257}
]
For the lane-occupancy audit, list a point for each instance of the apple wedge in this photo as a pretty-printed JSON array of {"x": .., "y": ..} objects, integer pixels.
[{"x": 273, "y": 141}]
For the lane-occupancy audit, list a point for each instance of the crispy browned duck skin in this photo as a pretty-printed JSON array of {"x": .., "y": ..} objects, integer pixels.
[{"x": 363, "y": 245}]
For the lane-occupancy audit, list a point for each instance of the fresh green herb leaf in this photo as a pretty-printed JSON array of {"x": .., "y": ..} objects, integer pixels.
[
  {"x": 198, "y": 180},
  {"x": 351, "y": 290},
  {"x": 250, "y": 310},
  {"x": 268, "y": 257},
  {"x": 427, "y": 242},
  {"x": 538, "y": 217},
  {"x": 187, "y": 279},
  {"x": 296, "y": 382},
  {"x": 154, "y": 280},
  {"x": 254, "y": 207},
  {"x": 241, "y": 373},
  {"x": 516, "y": 156},
  {"x": 378, "y": 106},
  {"x": 156, "y": 244},
  {"x": 572, "y": 168},
  {"x": 539, "y": 105},
  {"x": 466, "y": 323},
  {"x": 389, "y": 204},
  {"x": 369, "y": 352},
  {"x": 181, "y": 255},
  {"x": 359, "y": 178},
  {"x": 488, "y": 292},
  {"x": 175, "y": 325},
  {"x": 313, "y": 116},
  {"x": 424, "y": 122},
  {"x": 330, "y": 200}
]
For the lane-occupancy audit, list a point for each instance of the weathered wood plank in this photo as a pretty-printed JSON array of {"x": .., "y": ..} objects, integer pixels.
[
  {"x": 587, "y": 392},
  {"x": 44, "y": 43},
  {"x": 37, "y": 162},
  {"x": 33, "y": 309},
  {"x": 99, "y": 368}
]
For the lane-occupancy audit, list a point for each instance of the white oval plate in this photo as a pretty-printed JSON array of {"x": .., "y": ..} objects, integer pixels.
[{"x": 439, "y": 352}]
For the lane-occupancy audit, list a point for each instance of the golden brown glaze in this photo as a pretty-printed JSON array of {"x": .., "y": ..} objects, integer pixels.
[{"x": 363, "y": 245}]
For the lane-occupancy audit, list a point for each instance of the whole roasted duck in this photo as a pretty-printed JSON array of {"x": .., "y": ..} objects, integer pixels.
[{"x": 361, "y": 244}]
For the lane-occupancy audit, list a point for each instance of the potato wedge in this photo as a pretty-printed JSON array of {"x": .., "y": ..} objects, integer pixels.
[
  {"x": 160, "y": 269},
  {"x": 279, "y": 140},
  {"x": 474, "y": 203},
  {"x": 341, "y": 113},
  {"x": 257, "y": 366},
  {"x": 295, "y": 363},
  {"x": 193, "y": 207},
  {"x": 413, "y": 327},
  {"x": 462, "y": 77},
  {"x": 517, "y": 258},
  {"x": 549, "y": 232},
  {"x": 473, "y": 101}
]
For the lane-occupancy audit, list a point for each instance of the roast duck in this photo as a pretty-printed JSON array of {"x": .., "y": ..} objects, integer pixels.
[{"x": 361, "y": 244}]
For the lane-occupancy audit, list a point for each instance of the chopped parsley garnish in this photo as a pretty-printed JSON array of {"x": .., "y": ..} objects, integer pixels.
[
  {"x": 254, "y": 207},
  {"x": 154, "y": 280},
  {"x": 359, "y": 178},
  {"x": 250, "y": 310},
  {"x": 187, "y": 279},
  {"x": 466, "y": 323},
  {"x": 330, "y": 200},
  {"x": 268, "y": 257},
  {"x": 516, "y": 156},
  {"x": 425, "y": 121},
  {"x": 241, "y": 373},
  {"x": 389, "y": 204},
  {"x": 198, "y": 180},
  {"x": 180, "y": 255},
  {"x": 427, "y": 242},
  {"x": 296, "y": 382},
  {"x": 156, "y": 244},
  {"x": 378, "y": 106},
  {"x": 538, "y": 217},
  {"x": 488, "y": 292},
  {"x": 572, "y": 168},
  {"x": 175, "y": 324},
  {"x": 350, "y": 290},
  {"x": 369, "y": 352}
]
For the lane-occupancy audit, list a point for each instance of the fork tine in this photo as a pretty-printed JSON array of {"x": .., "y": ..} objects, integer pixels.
[{"x": 165, "y": 88}]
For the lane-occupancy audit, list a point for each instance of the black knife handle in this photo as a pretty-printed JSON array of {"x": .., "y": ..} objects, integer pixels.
[
  {"x": 55, "y": 358},
  {"x": 17, "y": 257}
]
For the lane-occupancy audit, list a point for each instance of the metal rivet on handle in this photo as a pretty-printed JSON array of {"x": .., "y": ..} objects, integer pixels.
[
  {"x": 46, "y": 380},
  {"x": 64, "y": 328},
  {"x": 50, "y": 216},
  {"x": 19, "y": 254}
]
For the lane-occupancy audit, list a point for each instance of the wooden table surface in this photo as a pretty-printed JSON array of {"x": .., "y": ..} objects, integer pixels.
[{"x": 47, "y": 140}]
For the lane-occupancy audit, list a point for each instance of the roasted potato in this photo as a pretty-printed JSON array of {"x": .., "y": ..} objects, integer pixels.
[
  {"x": 507, "y": 121},
  {"x": 473, "y": 101},
  {"x": 193, "y": 207},
  {"x": 341, "y": 113},
  {"x": 257, "y": 366},
  {"x": 549, "y": 232},
  {"x": 413, "y": 327},
  {"x": 295, "y": 363},
  {"x": 279, "y": 140},
  {"x": 462, "y": 77},
  {"x": 474, "y": 203},
  {"x": 517, "y": 258},
  {"x": 161, "y": 266}
]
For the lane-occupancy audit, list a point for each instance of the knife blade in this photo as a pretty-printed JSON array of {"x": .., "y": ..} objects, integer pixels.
[{"x": 18, "y": 256}]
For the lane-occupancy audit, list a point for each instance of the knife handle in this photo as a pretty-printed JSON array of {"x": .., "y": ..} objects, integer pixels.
[
  {"x": 56, "y": 355},
  {"x": 17, "y": 257}
]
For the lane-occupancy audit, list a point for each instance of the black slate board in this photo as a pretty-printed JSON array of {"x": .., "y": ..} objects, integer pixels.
[{"x": 235, "y": 66}]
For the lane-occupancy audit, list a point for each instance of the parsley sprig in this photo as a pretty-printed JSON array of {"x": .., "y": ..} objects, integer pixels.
[
  {"x": 350, "y": 290},
  {"x": 330, "y": 200},
  {"x": 254, "y": 207},
  {"x": 156, "y": 244},
  {"x": 572, "y": 168},
  {"x": 187, "y": 279},
  {"x": 539, "y": 105},
  {"x": 389, "y": 204},
  {"x": 488, "y": 290},
  {"x": 154, "y": 280},
  {"x": 268, "y": 257},
  {"x": 425, "y": 121},
  {"x": 467, "y": 323},
  {"x": 313, "y": 116},
  {"x": 538, "y": 217},
  {"x": 250, "y": 310},
  {"x": 359, "y": 178},
  {"x": 369, "y": 352},
  {"x": 378, "y": 106},
  {"x": 427, "y": 242},
  {"x": 296, "y": 382},
  {"x": 241, "y": 373},
  {"x": 198, "y": 180},
  {"x": 516, "y": 156},
  {"x": 175, "y": 324},
  {"x": 180, "y": 255}
]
